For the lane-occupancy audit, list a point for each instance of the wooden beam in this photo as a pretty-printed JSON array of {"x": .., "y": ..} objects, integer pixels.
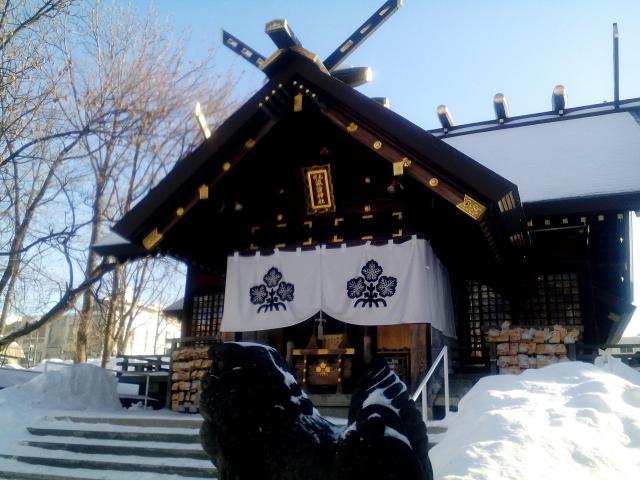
[
  {"x": 422, "y": 174},
  {"x": 160, "y": 232}
]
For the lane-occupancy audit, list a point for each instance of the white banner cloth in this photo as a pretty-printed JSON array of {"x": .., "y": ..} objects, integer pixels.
[{"x": 364, "y": 285}]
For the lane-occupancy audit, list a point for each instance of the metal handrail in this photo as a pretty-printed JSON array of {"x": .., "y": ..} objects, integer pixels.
[{"x": 422, "y": 388}]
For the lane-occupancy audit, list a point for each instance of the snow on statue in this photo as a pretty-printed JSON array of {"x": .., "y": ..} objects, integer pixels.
[{"x": 260, "y": 424}]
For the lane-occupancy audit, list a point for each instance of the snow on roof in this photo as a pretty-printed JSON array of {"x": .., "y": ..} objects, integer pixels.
[
  {"x": 588, "y": 153},
  {"x": 175, "y": 307},
  {"x": 110, "y": 239}
]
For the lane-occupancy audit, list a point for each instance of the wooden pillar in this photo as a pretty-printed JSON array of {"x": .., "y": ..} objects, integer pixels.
[
  {"x": 419, "y": 352},
  {"x": 187, "y": 306},
  {"x": 289, "y": 357},
  {"x": 275, "y": 338},
  {"x": 228, "y": 336},
  {"x": 250, "y": 337},
  {"x": 366, "y": 347},
  {"x": 262, "y": 336}
]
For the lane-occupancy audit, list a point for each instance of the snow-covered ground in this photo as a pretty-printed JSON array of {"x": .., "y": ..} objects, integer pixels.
[
  {"x": 49, "y": 399},
  {"x": 569, "y": 420},
  {"x": 77, "y": 389}
]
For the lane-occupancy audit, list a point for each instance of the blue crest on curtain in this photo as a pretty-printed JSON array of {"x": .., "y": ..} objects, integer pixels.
[
  {"x": 271, "y": 294},
  {"x": 371, "y": 288}
]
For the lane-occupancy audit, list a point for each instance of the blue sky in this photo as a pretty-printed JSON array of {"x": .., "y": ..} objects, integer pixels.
[
  {"x": 456, "y": 52},
  {"x": 430, "y": 52}
]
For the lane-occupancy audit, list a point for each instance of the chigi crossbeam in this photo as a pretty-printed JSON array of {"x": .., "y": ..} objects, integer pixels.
[
  {"x": 362, "y": 33},
  {"x": 242, "y": 49},
  {"x": 282, "y": 35}
]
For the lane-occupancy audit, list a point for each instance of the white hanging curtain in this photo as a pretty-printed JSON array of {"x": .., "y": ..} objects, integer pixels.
[{"x": 363, "y": 285}]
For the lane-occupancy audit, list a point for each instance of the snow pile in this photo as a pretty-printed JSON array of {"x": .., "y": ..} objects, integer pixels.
[
  {"x": 51, "y": 364},
  {"x": 15, "y": 376},
  {"x": 568, "y": 420},
  {"x": 12, "y": 366},
  {"x": 78, "y": 387}
]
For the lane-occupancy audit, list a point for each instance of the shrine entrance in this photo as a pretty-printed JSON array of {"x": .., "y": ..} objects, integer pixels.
[
  {"x": 330, "y": 310},
  {"x": 328, "y": 356}
]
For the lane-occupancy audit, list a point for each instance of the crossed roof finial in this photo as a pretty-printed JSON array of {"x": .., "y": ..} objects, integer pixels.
[{"x": 282, "y": 35}]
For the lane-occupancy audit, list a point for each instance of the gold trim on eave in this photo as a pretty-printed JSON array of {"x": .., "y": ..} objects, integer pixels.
[
  {"x": 399, "y": 166},
  {"x": 472, "y": 207},
  {"x": 152, "y": 239}
]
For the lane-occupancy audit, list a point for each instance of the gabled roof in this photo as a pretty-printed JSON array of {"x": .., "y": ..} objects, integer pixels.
[
  {"x": 586, "y": 159},
  {"x": 297, "y": 76}
]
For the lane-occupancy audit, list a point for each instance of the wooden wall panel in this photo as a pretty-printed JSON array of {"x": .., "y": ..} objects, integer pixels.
[
  {"x": 394, "y": 337},
  {"x": 419, "y": 351}
]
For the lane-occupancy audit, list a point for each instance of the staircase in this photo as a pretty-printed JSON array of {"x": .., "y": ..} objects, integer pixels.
[{"x": 123, "y": 448}]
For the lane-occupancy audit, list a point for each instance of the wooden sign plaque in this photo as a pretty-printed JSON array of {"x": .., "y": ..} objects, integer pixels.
[{"x": 319, "y": 189}]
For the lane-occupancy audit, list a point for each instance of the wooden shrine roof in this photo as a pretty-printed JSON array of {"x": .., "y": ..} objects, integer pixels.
[{"x": 298, "y": 80}]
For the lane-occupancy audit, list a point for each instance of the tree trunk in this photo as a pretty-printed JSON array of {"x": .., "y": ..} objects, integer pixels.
[
  {"x": 86, "y": 312},
  {"x": 115, "y": 299},
  {"x": 8, "y": 301}
]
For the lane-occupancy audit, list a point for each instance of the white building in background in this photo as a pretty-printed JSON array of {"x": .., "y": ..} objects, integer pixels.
[
  {"x": 12, "y": 355},
  {"x": 628, "y": 345},
  {"x": 150, "y": 330}
]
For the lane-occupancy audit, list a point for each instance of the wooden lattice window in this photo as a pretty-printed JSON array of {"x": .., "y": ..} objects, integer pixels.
[
  {"x": 486, "y": 309},
  {"x": 554, "y": 299},
  {"x": 206, "y": 315}
]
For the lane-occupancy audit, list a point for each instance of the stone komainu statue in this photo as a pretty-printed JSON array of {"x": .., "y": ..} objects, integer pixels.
[{"x": 259, "y": 424}]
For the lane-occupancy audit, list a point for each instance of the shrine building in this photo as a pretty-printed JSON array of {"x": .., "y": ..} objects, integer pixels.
[{"x": 320, "y": 222}]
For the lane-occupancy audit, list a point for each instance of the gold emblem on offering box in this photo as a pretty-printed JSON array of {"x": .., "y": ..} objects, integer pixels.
[
  {"x": 323, "y": 369},
  {"x": 319, "y": 189}
]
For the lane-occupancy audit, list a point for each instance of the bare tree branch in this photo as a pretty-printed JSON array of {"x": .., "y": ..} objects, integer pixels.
[{"x": 66, "y": 301}]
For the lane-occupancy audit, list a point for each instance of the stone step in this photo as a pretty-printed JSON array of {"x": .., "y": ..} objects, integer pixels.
[
  {"x": 330, "y": 400},
  {"x": 153, "y": 422},
  {"x": 194, "y": 472},
  {"x": 13, "y": 470},
  {"x": 119, "y": 450},
  {"x": 107, "y": 435},
  {"x": 10, "y": 475},
  {"x": 453, "y": 403},
  {"x": 18, "y": 475},
  {"x": 431, "y": 430},
  {"x": 36, "y": 476}
]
